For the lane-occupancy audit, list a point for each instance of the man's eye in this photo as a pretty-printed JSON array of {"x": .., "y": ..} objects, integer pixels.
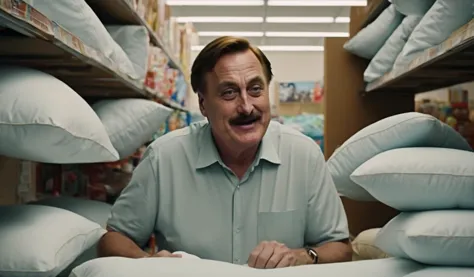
[{"x": 256, "y": 89}]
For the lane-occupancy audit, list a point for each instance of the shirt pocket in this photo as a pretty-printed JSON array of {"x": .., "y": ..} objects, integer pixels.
[{"x": 287, "y": 227}]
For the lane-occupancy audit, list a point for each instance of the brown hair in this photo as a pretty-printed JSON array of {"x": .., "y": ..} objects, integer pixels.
[{"x": 206, "y": 60}]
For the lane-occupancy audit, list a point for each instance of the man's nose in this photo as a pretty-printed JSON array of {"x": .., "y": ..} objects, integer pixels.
[{"x": 245, "y": 106}]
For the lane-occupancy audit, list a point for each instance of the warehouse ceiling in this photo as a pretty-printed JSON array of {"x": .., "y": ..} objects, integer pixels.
[{"x": 280, "y": 25}]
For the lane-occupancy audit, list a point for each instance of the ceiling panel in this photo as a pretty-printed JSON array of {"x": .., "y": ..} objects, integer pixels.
[{"x": 273, "y": 41}]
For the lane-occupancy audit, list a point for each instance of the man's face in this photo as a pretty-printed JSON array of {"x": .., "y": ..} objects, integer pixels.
[{"x": 236, "y": 101}]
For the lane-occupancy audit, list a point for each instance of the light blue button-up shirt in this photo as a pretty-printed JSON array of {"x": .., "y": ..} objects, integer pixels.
[{"x": 184, "y": 193}]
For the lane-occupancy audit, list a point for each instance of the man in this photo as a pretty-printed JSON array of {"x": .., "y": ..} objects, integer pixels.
[{"x": 237, "y": 189}]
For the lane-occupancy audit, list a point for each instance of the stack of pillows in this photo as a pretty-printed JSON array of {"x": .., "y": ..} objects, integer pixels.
[
  {"x": 404, "y": 30},
  {"x": 43, "y": 120},
  {"x": 422, "y": 167}
]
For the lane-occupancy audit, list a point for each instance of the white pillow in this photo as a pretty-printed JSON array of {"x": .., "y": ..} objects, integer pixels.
[
  {"x": 368, "y": 41},
  {"x": 398, "y": 131},
  {"x": 444, "y": 17},
  {"x": 413, "y": 7},
  {"x": 444, "y": 237},
  {"x": 438, "y": 271},
  {"x": 176, "y": 267},
  {"x": 135, "y": 41},
  {"x": 44, "y": 120},
  {"x": 363, "y": 246},
  {"x": 40, "y": 241},
  {"x": 131, "y": 123},
  {"x": 386, "y": 56},
  {"x": 416, "y": 179},
  {"x": 79, "y": 19}
]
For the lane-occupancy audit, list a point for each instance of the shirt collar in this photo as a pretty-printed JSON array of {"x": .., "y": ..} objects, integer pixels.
[{"x": 208, "y": 154}]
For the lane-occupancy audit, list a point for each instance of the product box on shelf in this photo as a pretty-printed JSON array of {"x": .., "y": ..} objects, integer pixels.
[
  {"x": 157, "y": 69},
  {"x": 18, "y": 181}
]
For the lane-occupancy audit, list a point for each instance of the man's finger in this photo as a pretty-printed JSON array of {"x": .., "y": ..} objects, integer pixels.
[
  {"x": 274, "y": 260},
  {"x": 254, "y": 255},
  {"x": 164, "y": 253},
  {"x": 264, "y": 256},
  {"x": 287, "y": 261}
]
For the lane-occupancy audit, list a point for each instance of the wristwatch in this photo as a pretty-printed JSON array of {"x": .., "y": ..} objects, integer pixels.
[{"x": 312, "y": 254}]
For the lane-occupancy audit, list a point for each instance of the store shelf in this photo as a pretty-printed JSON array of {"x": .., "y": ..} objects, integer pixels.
[
  {"x": 120, "y": 12},
  {"x": 444, "y": 65},
  {"x": 50, "y": 48}
]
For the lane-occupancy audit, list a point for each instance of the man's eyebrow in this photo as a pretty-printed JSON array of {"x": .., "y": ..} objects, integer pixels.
[
  {"x": 227, "y": 84},
  {"x": 256, "y": 79}
]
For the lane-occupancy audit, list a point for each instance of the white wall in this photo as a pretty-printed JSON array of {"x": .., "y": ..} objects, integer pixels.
[{"x": 287, "y": 67}]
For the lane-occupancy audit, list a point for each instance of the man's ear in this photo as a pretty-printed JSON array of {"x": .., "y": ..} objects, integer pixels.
[{"x": 201, "y": 104}]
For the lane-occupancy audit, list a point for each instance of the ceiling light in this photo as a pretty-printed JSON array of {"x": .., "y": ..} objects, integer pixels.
[
  {"x": 307, "y": 34},
  {"x": 317, "y": 2},
  {"x": 234, "y": 34},
  {"x": 342, "y": 19},
  {"x": 279, "y": 48},
  {"x": 219, "y": 19},
  {"x": 299, "y": 19},
  {"x": 215, "y": 2}
]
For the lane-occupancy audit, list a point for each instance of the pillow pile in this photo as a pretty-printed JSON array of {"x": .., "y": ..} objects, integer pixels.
[
  {"x": 423, "y": 168},
  {"x": 405, "y": 130}
]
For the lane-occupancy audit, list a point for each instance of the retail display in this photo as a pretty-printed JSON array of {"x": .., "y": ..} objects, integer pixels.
[
  {"x": 41, "y": 244},
  {"x": 312, "y": 125},
  {"x": 443, "y": 271},
  {"x": 440, "y": 238},
  {"x": 135, "y": 42},
  {"x": 398, "y": 131},
  {"x": 370, "y": 39},
  {"x": 383, "y": 61},
  {"x": 79, "y": 19},
  {"x": 130, "y": 123},
  {"x": 402, "y": 177},
  {"x": 44, "y": 120},
  {"x": 430, "y": 32},
  {"x": 122, "y": 267}
]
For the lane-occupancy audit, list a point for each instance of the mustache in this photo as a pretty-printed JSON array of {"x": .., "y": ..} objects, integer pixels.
[{"x": 242, "y": 119}]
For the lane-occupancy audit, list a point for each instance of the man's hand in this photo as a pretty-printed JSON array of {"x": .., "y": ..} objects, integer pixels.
[
  {"x": 165, "y": 254},
  {"x": 272, "y": 254}
]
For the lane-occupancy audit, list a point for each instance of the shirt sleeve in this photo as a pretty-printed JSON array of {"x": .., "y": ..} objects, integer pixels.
[
  {"x": 135, "y": 211},
  {"x": 326, "y": 220}
]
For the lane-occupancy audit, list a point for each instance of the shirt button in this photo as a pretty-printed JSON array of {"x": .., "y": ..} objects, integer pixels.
[
  {"x": 237, "y": 230},
  {"x": 236, "y": 260}
]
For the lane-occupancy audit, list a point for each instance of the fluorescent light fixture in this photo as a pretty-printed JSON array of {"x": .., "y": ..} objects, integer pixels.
[
  {"x": 234, "y": 34},
  {"x": 291, "y": 48},
  {"x": 306, "y": 34},
  {"x": 215, "y": 2},
  {"x": 342, "y": 19},
  {"x": 219, "y": 19},
  {"x": 328, "y": 3},
  {"x": 299, "y": 19},
  {"x": 279, "y": 48}
]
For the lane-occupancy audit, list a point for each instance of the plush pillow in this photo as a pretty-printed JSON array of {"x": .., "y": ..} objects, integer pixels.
[
  {"x": 95, "y": 211},
  {"x": 369, "y": 40},
  {"x": 444, "y": 17},
  {"x": 386, "y": 56},
  {"x": 398, "y": 131},
  {"x": 444, "y": 237},
  {"x": 123, "y": 267},
  {"x": 42, "y": 241},
  {"x": 44, "y": 120},
  {"x": 79, "y": 19},
  {"x": 410, "y": 7},
  {"x": 436, "y": 271},
  {"x": 131, "y": 123},
  {"x": 135, "y": 41},
  {"x": 414, "y": 179},
  {"x": 363, "y": 247}
]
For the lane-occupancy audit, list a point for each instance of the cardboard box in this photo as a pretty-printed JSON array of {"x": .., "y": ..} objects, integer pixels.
[{"x": 17, "y": 181}]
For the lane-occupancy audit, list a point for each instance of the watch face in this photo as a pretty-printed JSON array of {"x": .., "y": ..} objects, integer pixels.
[{"x": 313, "y": 255}]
